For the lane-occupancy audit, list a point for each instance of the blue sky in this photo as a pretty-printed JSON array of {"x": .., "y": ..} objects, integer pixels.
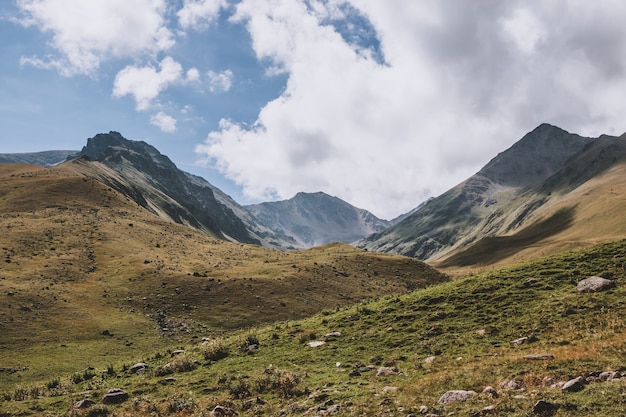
[{"x": 381, "y": 103}]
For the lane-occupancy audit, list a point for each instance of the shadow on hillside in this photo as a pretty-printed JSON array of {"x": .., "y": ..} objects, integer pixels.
[{"x": 490, "y": 250}]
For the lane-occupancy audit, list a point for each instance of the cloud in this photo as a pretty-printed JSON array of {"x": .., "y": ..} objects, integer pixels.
[
  {"x": 199, "y": 14},
  {"x": 146, "y": 83},
  {"x": 164, "y": 121},
  {"x": 85, "y": 33},
  {"x": 220, "y": 82},
  {"x": 455, "y": 83}
]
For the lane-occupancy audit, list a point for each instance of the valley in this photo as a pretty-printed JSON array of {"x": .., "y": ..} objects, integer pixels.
[{"x": 129, "y": 287}]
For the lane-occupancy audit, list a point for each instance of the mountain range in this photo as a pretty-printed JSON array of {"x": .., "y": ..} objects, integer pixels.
[{"x": 538, "y": 195}]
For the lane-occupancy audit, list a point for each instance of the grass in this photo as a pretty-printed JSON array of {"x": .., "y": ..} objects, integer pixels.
[
  {"x": 464, "y": 328},
  {"x": 88, "y": 278}
]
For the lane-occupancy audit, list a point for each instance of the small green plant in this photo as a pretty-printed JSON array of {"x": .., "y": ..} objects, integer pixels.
[{"x": 53, "y": 383}]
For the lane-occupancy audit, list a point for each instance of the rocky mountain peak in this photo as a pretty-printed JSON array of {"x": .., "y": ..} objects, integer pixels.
[{"x": 535, "y": 157}]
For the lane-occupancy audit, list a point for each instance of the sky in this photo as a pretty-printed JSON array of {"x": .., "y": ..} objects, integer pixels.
[{"x": 381, "y": 103}]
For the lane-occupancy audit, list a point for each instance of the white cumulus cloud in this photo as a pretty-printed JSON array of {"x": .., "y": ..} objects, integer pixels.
[
  {"x": 164, "y": 121},
  {"x": 456, "y": 83},
  {"x": 146, "y": 83},
  {"x": 199, "y": 14},
  {"x": 85, "y": 33},
  {"x": 220, "y": 82}
]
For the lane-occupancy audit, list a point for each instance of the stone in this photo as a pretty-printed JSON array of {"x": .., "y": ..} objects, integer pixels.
[
  {"x": 573, "y": 385},
  {"x": 456, "y": 396},
  {"x": 221, "y": 411},
  {"x": 115, "y": 396},
  {"x": 86, "y": 403},
  {"x": 423, "y": 409},
  {"x": 316, "y": 343},
  {"x": 430, "y": 359},
  {"x": 389, "y": 388},
  {"x": 333, "y": 334},
  {"x": 538, "y": 357},
  {"x": 519, "y": 341},
  {"x": 544, "y": 408},
  {"x": 510, "y": 385},
  {"x": 387, "y": 371},
  {"x": 595, "y": 284},
  {"x": 138, "y": 368},
  {"x": 490, "y": 391}
]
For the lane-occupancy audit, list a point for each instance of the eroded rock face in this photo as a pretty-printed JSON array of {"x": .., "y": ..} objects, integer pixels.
[{"x": 595, "y": 284}]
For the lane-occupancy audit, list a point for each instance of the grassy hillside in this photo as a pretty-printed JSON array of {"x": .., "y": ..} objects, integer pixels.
[
  {"x": 87, "y": 277},
  {"x": 452, "y": 336}
]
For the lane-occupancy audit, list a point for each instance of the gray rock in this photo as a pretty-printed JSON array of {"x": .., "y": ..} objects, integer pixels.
[
  {"x": 573, "y": 385},
  {"x": 86, "y": 403},
  {"x": 595, "y": 284},
  {"x": 139, "y": 367},
  {"x": 221, "y": 411},
  {"x": 387, "y": 371},
  {"x": 544, "y": 408},
  {"x": 519, "y": 341},
  {"x": 510, "y": 385},
  {"x": 115, "y": 396},
  {"x": 456, "y": 396},
  {"x": 490, "y": 391},
  {"x": 538, "y": 357}
]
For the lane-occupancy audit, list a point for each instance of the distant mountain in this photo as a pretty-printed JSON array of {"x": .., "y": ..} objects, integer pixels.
[
  {"x": 314, "y": 219},
  {"x": 151, "y": 179},
  {"x": 45, "y": 158},
  {"x": 482, "y": 205}
]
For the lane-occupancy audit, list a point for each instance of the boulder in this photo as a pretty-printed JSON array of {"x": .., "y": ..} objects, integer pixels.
[
  {"x": 456, "y": 396},
  {"x": 86, "y": 403},
  {"x": 387, "y": 371},
  {"x": 138, "y": 368},
  {"x": 573, "y": 385},
  {"x": 115, "y": 396},
  {"x": 544, "y": 408},
  {"x": 221, "y": 411},
  {"x": 595, "y": 284}
]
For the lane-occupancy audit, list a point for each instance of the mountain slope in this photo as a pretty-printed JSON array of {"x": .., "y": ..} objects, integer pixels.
[
  {"x": 89, "y": 276},
  {"x": 153, "y": 181},
  {"x": 466, "y": 212},
  {"x": 313, "y": 219},
  {"x": 582, "y": 204}
]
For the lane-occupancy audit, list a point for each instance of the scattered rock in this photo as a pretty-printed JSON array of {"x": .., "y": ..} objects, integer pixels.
[
  {"x": 519, "y": 341},
  {"x": 510, "y": 385},
  {"x": 221, "y": 411},
  {"x": 423, "y": 409},
  {"x": 595, "y": 284},
  {"x": 538, "y": 357},
  {"x": 387, "y": 371},
  {"x": 333, "y": 334},
  {"x": 490, "y": 391},
  {"x": 115, "y": 396},
  {"x": 138, "y": 368},
  {"x": 544, "y": 408},
  {"x": 430, "y": 359},
  {"x": 573, "y": 385},
  {"x": 316, "y": 343},
  {"x": 86, "y": 403},
  {"x": 390, "y": 389},
  {"x": 456, "y": 396}
]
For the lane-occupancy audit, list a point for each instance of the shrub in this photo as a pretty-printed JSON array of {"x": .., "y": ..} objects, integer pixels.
[
  {"x": 20, "y": 393},
  {"x": 180, "y": 363},
  {"x": 305, "y": 336},
  {"x": 180, "y": 403},
  {"x": 98, "y": 410},
  {"x": 214, "y": 350}
]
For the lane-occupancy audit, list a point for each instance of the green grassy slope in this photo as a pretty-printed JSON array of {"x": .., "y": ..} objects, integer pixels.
[{"x": 455, "y": 335}]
